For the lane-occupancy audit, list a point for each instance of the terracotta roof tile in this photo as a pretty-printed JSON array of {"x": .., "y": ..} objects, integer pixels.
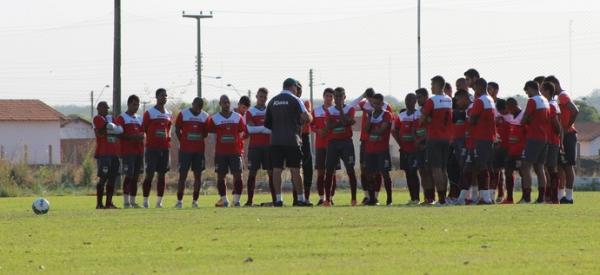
[
  {"x": 587, "y": 131},
  {"x": 27, "y": 110}
]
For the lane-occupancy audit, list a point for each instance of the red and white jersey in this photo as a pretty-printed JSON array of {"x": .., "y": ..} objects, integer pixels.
[
  {"x": 407, "y": 127},
  {"x": 553, "y": 136},
  {"x": 376, "y": 143},
  {"x": 157, "y": 126},
  {"x": 516, "y": 136},
  {"x": 228, "y": 132},
  {"x": 439, "y": 110},
  {"x": 132, "y": 125},
  {"x": 106, "y": 145},
  {"x": 192, "y": 128},
  {"x": 469, "y": 141},
  {"x": 565, "y": 115},
  {"x": 306, "y": 126},
  {"x": 256, "y": 117},
  {"x": 503, "y": 128},
  {"x": 485, "y": 127},
  {"x": 319, "y": 122},
  {"x": 342, "y": 132},
  {"x": 538, "y": 111},
  {"x": 365, "y": 106}
]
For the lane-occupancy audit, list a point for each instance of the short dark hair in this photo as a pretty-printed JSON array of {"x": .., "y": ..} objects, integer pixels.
[
  {"x": 472, "y": 73},
  {"x": 552, "y": 79},
  {"x": 512, "y": 101},
  {"x": 549, "y": 86},
  {"x": 244, "y": 100},
  {"x": 378, "y": 97},
  {"x": 461, "y": 93},
  {"x": 539, "y": 79},
  {"x": 133, "y": 98},
  {"x": 369, "y": 92},
  {"x": 500, "y": 104},
  {"x": 160, "y": 91},
  {"x": 439, "y": 81},
  {"x": 339, "y": 90},
  {"x": 198, "y": 99},
  {"x": 481, "y": 82},
  {"x": 422, "y": 92},
  {"x": 328, "y": 91},
  {"x": 448, "y": 85},
  {"x": 494, "y": 85},
  {"x": 263, "y": 90},
  {"x": 531, "y": 84}
]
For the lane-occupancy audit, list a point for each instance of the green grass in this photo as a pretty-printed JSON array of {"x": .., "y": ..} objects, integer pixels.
[{"x": 75, "y": 238}]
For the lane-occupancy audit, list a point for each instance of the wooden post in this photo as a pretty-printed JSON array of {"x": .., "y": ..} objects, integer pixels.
[
  {"x": 25, "y": 154},
  {"x": 1, "y": 151},
  {"x": 50, "y": 154}
]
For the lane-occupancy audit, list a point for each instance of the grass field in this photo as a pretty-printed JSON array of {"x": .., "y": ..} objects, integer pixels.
[{"x": 75, "y": 238}]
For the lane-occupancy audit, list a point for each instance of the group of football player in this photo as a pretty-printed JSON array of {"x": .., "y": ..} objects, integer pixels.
[{"x": 463, "y": 146}]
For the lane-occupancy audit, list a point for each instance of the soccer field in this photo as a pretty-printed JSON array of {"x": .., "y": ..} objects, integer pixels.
[{"x": 75, "y": 238}]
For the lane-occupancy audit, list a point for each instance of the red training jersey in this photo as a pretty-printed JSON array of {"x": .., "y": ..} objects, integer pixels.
[
  {"x": 553, "y": 136},
  {"x": 439, "y": 110},
  {"x": 516, "y": 136},
  {"x": 342, "y": 132},
  {"x": 538, "y": 111},
  {"x": 407, "y": 127},
  {"x": 193, "y": 128},
  {"x": 132, "y": 125},
  {"x": 157, "y": 126},
  {"x": 485, "y": 127},
  {"x": 229, "y": 131},
  {"x": 377, "y": 143},
  {"x": 503, "y": 128},
  {"x": 565, "y": 114},
  {"x": 106, "y": 145},
  {"x": 256, "y": 117},
  {"x": 365, "y": 106},
  {"x": 320, "y": 122}
]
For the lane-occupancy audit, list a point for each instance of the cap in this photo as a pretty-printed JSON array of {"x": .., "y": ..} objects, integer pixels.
[{"x": 291, "y": 82}]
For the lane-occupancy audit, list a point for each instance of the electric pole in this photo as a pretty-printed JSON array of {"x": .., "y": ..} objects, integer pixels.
[
  {"x": 199, "y": 53},
  {"x": 311, "y": 84},
  {"x": 419, "y": 41},
  {"x": 91, "y": 105},
  {"x": 571, "y": 56},
  {"x": 250, "y": 94},
  {"x": 117, "y": 61}
]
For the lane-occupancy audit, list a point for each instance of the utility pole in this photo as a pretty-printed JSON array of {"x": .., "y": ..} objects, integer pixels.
[
  {"x": 117, "y": 61},
  {"x": 419, "y": 41},
  {"x": 199, "y": 53},
  {"x": 571, "y": 56},
  {"x": 250, "y": 94},
  {"x": 311, "y": 84},
  {"x": 91, "y": 105}
]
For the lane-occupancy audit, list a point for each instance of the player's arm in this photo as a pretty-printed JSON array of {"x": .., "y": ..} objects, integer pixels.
[
  {"x": 368, "y": 122},
  {"x": 574, "y": 112},
  {"x": 528, "y": 112},
  {"x": 426, "y": 112},
  {"x": 100, "y": 126},
  {"x": 269, "y": 117},
  {"x": 475, "y": 112},
  {"x": 385, "y": 125},
  {"x": 396, "y": 130},
  {"x": 178, "y": 128}
]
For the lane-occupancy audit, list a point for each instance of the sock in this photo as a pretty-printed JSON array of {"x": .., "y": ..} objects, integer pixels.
[
  {"x": 387, "y": 183},
  {"x": 236, "y": 198},
  {"x": 561, "y": 193},
  {"x": 224, "y": 199},
  {"x": 238, "y": 187},
  {"x": 272, "y": 188},
  {"x": 442, "y": 197},
  {"x": 569, "y": 194},
  {"x": 463, "y": 195},
  {"x": 321, "y": 184},
  {"x": 322, "y": 197},
  {"x": 146, "y": 200},
  {"x": 366, "y": 192},
  {"x": 328, "y": 185},
  {"x": 159, "y": 200},
  {"x": 125, "y": 199},
  {"x": 180, "y": 201},
  {"x": 352, "y": 179},
  {"x": 131, "y": 199},
  {"x": 333, "y": 185},
  {"x": 221, "y": 187},
  {"x": 160, "y": 186},
  {"x": 300, "y": 198},
  {"x": 278, "y": 197},
  {"x": 99, "y": 193},
  {"x": 251, "y": 186}
]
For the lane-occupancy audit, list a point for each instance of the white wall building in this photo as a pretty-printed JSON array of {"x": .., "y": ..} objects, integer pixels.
[{"x": 588, "y": 136}]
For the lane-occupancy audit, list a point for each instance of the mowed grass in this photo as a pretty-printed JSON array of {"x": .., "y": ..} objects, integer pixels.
[{"x": 75, "y": 238}]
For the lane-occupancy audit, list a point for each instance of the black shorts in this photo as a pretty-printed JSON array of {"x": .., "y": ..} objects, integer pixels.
[
  {"x": 535, "y": 151},
  {"x": 437, "y": 152},
  {"x": 570, "y": 147},
  {"x": 361, "y": 155},
  {"x": 378, "y": 162},
  {"x": 133, "y": 165},
  {"x": 108, "y": 166},
  {"x": 191, "y": 160},
  {"x": 320, "y": 157},
  {"x": 291, "y": 156},
  {"x": 408, "y": 161},
  {"x": 228, "y": 163},
  {"x": 259, "y": 157},
  {"x": 483, "y": 155},
  {"x": 500, "y": 155},
  {"x": 157, "y": 160},
  {"x": 552, "y": 155},
  {"x": 421, "y": 158},
  {"x": 459, "y": 150},
  {"x": 340, "y": 149},
  {"x": 513, "y": 163},
  {"x": 306, "y": 151}
]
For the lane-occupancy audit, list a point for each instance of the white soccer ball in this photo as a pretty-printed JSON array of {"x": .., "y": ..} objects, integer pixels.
[{"x": 40, "y": 206}]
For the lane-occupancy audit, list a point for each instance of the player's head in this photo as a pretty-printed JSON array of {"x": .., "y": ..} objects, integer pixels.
[
  {"x": 197, "y": 104},
  {"x": 422, "y": 96},
  {"x": 102, "y": 108},
  {"x": 461, "y": 84},
  {"x": 501, "y": 106},
  {"x": 133, "y": 104},
  {"x": 225, "y": 104},
  {"x": 328, "y": 97},
  {"x": 480, "y": 86},
  {"x": 539, "y": 79},
  {"x": 369, "y": 93},
  {"x": 161, "y": 96},
  {"x": 471, "y": 75},
  {"x": 556, "y": 83},
  {"x": 437, "y": 84},
  {"x": 243, "y": 104},
  {"x": 448, "y": 89},
  {"x": 493, "y": 88},
  {"x": 531, "y": 88},
  {"x": 512, "y": 105},
  {"x": 339, "y": 95},
  {"x": 548, "y": 90},
  {"x": 261, "y": 96},
  {"x": 299, "y": 89},
  {"x": 462, "y": 100},
  {"x": 291, "y": 85},
  {"x": 410, "y": 101},
  {"x": 377, "y": 101}
]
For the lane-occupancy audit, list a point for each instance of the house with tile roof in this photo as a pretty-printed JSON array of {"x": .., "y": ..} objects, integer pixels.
[{"x": 588, "y": 137}]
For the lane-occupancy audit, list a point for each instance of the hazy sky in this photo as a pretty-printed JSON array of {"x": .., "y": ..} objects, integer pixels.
[{"x": 60, "y": 50}]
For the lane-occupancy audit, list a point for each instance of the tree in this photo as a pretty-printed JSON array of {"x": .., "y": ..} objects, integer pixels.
[{"x": 587, "y": 113}]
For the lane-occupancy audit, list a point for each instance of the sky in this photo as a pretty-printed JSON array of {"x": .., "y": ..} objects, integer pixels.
[{"x": 58, "y": 51}]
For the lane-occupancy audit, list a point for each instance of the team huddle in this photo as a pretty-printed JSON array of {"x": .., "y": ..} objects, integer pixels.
[{"x": 472, "y": 143}]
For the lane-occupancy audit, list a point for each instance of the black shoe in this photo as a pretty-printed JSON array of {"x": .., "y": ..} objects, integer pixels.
[
  {"x": 99, "y": 206},
  {"x": 248, "y": 204},
  {"x": 372, "y": 203},
  {"x": 303, "y": 204},
  {"x": 365, "y": 201},
  {"x": 564, "y": 200},
  {"x": 266, "y": 204},
  {"x": 331, "y": 201},
  {"x": 278, "y": 204},
  {"x": 388, "y": 202},
  {"x": 320, "y": 202}
]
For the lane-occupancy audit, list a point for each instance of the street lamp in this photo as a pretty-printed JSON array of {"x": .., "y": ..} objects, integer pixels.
[{"x": 92, "y": 100}]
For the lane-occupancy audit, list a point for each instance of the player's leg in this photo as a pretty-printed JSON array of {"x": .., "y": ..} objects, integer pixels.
[
  {"x": 277, "y": 161},
  {"x": 331, "y": 161},
  {"x": 307, "y": 165},
  {"x": 348, "y": 158},
  {"x": 364, "y": 174},
  {"x": 113, "y": 174},
  {"x": 255, "y": 160},
  {"x": 552, "y": 174},
  {"x": 185, "y": 162},
  {"x": 161, "y": 183},
  {"x": 484, "y": 161},
  {"x": 539, "y": 168},
  {"x": 384, "y": 168},
  {"x": 103, "y": 166},
  {"x": 222, "y": 168},
  {"x": 151, "y": 158},
  {"x": 320, "y": 167},
  {"x": 138, "y": 167},
  {"x": 570, "y": 145},
  {"x": 235, "y": 164},
  {"x": 127, "y": 170},
  {"x": 198, "y": 166}
]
